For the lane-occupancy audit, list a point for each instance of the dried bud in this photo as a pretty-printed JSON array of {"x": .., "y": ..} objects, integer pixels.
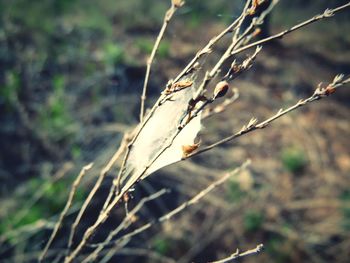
[
  {"x": 256, "y": 32},
  {"x": 183, "y": 84},
  {"x": 196, "y": 66},
  {"x": 329, "y": 90},
  {"x": 126, "y": 197},
  {"x": 252, "y": 9},
  {"x": 177, "y": 3},
  {"x": 234, "y": 67},
  {"x": 169, "y": 83},
  {"x": 188, "y": 149},
  {"x": 221, "y": 89},
  {"x": 133, "y": 218}
]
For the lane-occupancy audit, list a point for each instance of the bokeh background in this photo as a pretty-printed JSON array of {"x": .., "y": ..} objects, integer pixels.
[{"x": 71, "y": 74}]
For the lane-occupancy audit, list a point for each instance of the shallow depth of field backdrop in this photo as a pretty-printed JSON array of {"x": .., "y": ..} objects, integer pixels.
[{"x": 71, "y": 74}]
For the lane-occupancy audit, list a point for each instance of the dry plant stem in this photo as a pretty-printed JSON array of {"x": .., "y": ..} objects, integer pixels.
[
  {"x": 66, "y": 208},
  {"x": 168, "y": 15},
  {"x": 209, "y": 112},
  {"x": 254, "y": 125},
  {"x": 153, "y": 256},
  {"x": 210, "y": 44},
  {"x": 103, "y": 216},
  {"x": 188, "y": 203},
  {"x": 205, "y": 50},
  {"x": 134, "y": 137},
  {"x": 115, "y": 188},
  {"x": 113, "y": 251},
  {"x": 246, "y": 64},
  {"x": 100, "y": 220},
  {"x": 260, "y": 19},
  {"x": 209, "y": 75},
  {"x": 127, "y": 221},
  {"x": 111, "y": 193},
  {"x": 326, "y": 14},
  {"x": 97, "y": 185},
  {"x": 237, "y": 254},
  {"x": 236, "y": 40}
]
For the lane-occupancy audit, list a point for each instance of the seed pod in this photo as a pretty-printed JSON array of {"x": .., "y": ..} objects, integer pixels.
[{"x": 220, "y": 89}]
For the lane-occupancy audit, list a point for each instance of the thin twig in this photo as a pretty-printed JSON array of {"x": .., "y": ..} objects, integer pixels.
[
  {"x": 208, "y": 77},
  {"x": 168, "y": 15},
  {"x": 97, "y": 185},
  {"x": 235, "y": 42},
  {"x": 254, "y": 125},
  {"x": 208, "y": 112},
  {"x": 134, "y": 179},
  {"x": 186, "y": 70},
  {"x": 139, "y": 128},
  {"x": 65, "y": 209},
  {"x": 237, "y": 254},
  {"x": 326, "y": 14},
  {"x": 188, "y": 203},
  {"x": 127, "y": 221},
  {"x": 153, "y": 256},
  {"x": 110, "y": 253}
]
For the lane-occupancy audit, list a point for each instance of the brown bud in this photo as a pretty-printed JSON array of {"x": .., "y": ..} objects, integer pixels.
[
  {"x": 133, "y": 218},
  {"x": 252, "y": 9},
  {"x": 329, "y": 90},
  {"x": 221, "y": 89},
  {"x": 188, "y": 149},
  {"x": 126, "y": 197},
  {"x": 183, "y": 84},
  {"x": 196, "y": 66},
  {"x": 177, "y": 3},
  {"x": 234, "y": 67},
  {"x": 256, "y": 32}
]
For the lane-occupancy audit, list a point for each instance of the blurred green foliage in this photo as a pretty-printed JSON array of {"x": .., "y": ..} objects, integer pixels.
[
  {"x": 195, "y": 20},
  {"x": 52, "y": 199},
  {"x": 9, "y": 92},
  {"x": 345, "y": 209},
  {"x": 76, "y": 151},
  {"x": 162, "y": 245},
  {"x": 234, "y": 191},
  {"x": 253, "y": 221},
  {"x": 55, "y": 117},
  {"x": 145, "y": 45},
  {"x": 114, "y": 54},
  {"x": 293, "y": 159},
  {"x": 275, "y": 248}
]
